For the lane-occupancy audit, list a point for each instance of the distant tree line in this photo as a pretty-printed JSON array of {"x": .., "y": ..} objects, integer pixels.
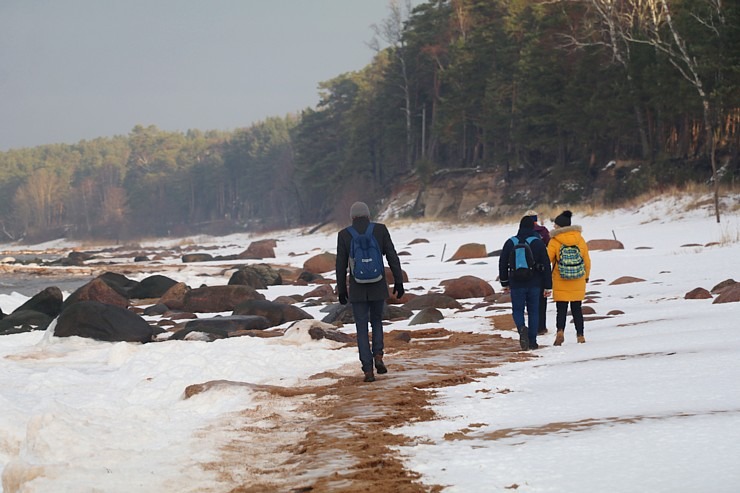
[{"x": 556, "y": 88}]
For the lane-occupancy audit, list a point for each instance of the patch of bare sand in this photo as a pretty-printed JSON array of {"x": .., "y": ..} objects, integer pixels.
[{"x": 336, "y": 437}]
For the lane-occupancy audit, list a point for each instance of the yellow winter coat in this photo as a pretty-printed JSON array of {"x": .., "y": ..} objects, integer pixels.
[{"x": 567, "y": 289}]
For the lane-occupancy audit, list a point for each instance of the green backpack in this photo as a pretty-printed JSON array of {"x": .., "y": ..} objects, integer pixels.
[{"x": 570, "y": 262}]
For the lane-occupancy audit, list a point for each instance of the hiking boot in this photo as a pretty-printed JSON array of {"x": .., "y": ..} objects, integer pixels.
[
  {"x": 559, "y": 337},
  {"x": 542, "y": 332},
  {"x": 581, "y": 339},
  {"x": 534, "y": 345},
  {"x": 369, "y": 377},
  {"x": 379, "y": 365},
  {"x": 523, "y": 337}
]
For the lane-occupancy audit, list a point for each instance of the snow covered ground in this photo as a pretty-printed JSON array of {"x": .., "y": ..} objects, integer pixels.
[{"x": 650, "y": 403}]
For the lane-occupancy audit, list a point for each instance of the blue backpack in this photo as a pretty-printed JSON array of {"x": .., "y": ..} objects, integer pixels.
[
  {"x": 521, "y": 260},
  {"x": 365, "y": 259}
]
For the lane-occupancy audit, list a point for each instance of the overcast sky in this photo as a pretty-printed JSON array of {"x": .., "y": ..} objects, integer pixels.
[{"x": 79, "y": 69}]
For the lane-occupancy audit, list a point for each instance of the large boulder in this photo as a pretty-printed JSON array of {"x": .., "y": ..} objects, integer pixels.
[
  {"x": 259, "y": 249},
  {"x": 174, "y": 298},
  {"x": 257, "y": 276},
  {"x": 698, "y": 294},
  {"x": 470, "y": 250},
  {"x": 48, "y": 301},
  {"x": 276, "y": 313},
  {"x": 321, "y": 263},
  {"x": 723, "y": 285},
  {"x": 102, "y": 322},
  {"x": 320, "y": 292},
  {"x": 427, "y": 316},
  {"x": 118, "y": 282},
  {"x": 432, "y": 300},
  {"x": 151, "y": 287},
  {"x": 604, "y": 245},
  {"x": 213, "y": 299},
  {"x": 96, "y": 290},
  {"x": 467, "y": 287},
  {"x": 24, "y": 321},
  {"x": 730, "y": 294}
]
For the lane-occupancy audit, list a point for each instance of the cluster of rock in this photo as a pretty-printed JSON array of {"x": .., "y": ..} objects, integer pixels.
[
  {"x": 727, "y": 291},
  {"x": 113, "y": 307}
]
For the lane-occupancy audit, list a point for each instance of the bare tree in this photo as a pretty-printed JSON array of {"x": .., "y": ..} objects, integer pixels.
[
  {"x": 656, "y": 21},
  {"x": 39, "y": 202}
]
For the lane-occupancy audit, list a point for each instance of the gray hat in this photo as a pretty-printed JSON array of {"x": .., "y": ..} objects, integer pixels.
[{"x": 359, "y": 209}]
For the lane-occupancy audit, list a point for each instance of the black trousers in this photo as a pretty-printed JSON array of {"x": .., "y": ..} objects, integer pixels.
[
  {"x": 542, "y": 322},
  {"x": 575, "y": 310}
]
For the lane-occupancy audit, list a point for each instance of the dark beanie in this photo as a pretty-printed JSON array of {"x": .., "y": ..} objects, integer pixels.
[
  {"x": 563, "y": 219},
  {"x": 359, "y": 209},
  {"x": 527, "y": 222}
]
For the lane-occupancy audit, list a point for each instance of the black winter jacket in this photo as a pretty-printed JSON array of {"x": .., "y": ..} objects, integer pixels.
[
  {"x": 372, "y": 291},
  {"x": 543, "y": 272}
]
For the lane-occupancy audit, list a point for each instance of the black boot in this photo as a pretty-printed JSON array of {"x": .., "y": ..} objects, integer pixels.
[
  {"x": 523, "y": 337},
  {"x": 369, "y": 377},
  {"x": 379, "y": 365}
]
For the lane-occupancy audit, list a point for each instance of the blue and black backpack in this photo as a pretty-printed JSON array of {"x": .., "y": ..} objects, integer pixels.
[
  {"x": 365, "y": 258},
  {"x": 521, "y": 260}
]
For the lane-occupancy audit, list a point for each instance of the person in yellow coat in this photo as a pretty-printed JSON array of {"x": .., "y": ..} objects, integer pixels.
[{"x": 571, "y": 267}]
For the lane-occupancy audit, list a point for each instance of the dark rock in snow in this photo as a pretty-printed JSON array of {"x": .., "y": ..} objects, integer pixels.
[
  {"x": 102, "y": 322},
  {"x": 48, "y": 301},
  {"x": 96, "y": 290},
  {"x": 24, "y": 321},
  {"x": 427, "y": 316},
  {"x": 214, "y": 299},
  {"x": 276, "y": 313},
  {"x": 152, "y": 287},
  {"x": 433, "y": 300}
]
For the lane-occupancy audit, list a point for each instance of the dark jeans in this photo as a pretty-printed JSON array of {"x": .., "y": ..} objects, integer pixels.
[
  {"x": 529, "y": 298},
  {"x": 575, "y": 310},
  {"x": 372, "y": 312}
]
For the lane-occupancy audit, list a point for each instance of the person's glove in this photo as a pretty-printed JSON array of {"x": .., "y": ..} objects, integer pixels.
[
  {"x": 398, "y": 290},
  {"x": 342, "y": 298}
]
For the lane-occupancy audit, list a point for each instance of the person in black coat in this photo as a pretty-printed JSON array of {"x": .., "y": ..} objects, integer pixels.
[
  {"x": 368, "y": 299},
  {"x": 545, "y": 235},
  {"x": 526, "y": 293}
]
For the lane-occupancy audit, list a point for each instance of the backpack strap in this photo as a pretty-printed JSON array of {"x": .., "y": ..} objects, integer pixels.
[
  {"x": 515, "y": 240},
  {"x": 356, "y": 234},
  {"x": 531, "y": 239}
]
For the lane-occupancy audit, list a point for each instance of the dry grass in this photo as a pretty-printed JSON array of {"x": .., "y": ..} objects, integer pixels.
[{"x": 729, "y": 235}]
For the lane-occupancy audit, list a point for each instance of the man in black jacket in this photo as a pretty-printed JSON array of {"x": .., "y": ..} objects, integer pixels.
[
  {"x": 368, "y": 299},
  {"x": 526, "y": 293}
]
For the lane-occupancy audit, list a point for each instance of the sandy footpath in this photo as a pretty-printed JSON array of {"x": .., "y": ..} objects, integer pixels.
[{"x": 338, "y": 437}]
